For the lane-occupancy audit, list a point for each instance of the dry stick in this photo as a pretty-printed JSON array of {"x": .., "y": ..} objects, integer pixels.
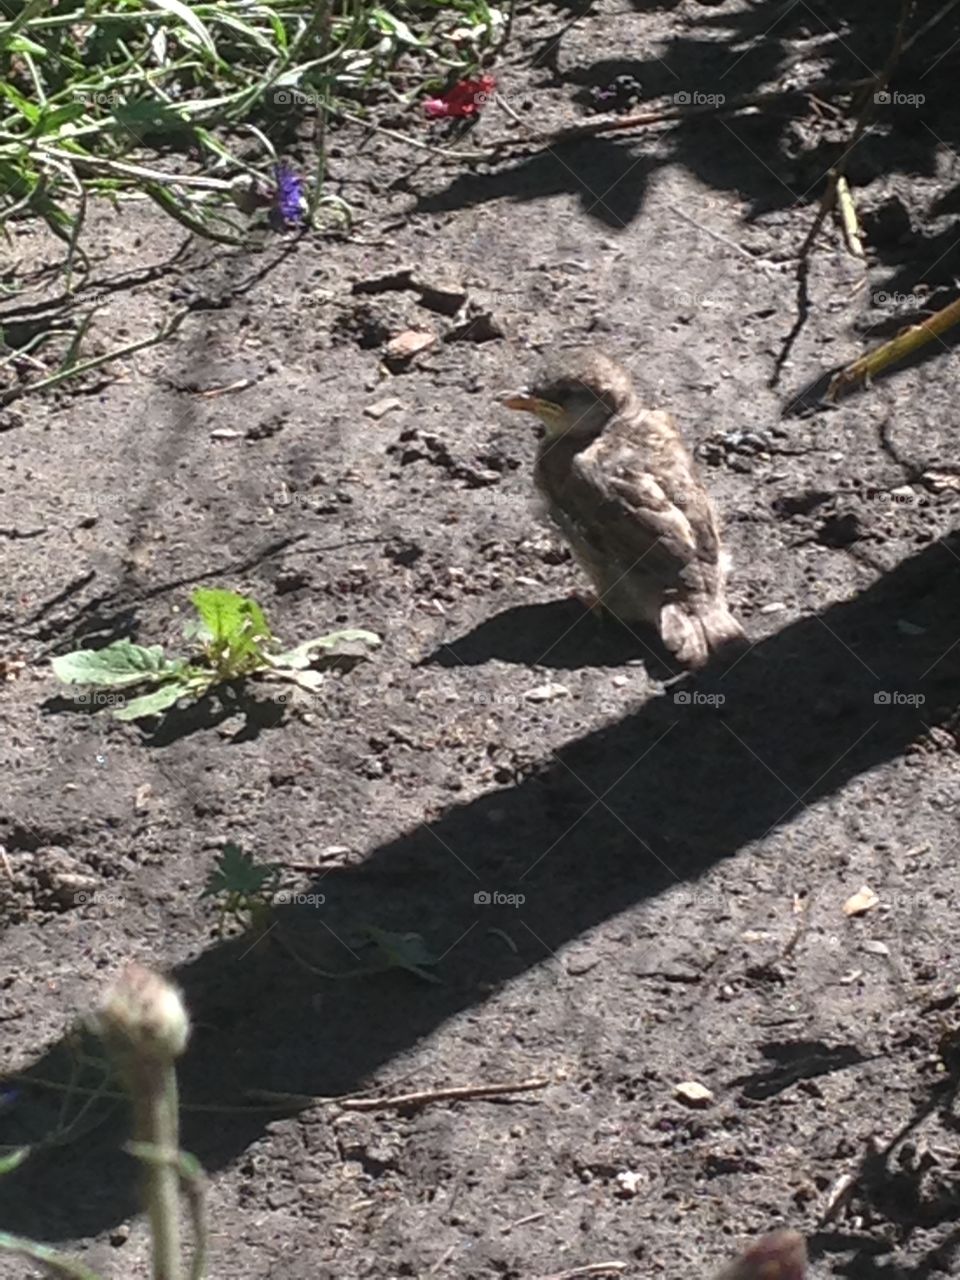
[
  {"x": 165, "y": 331},
  {"x": 828, "y": 199},
  {"x": 756, "y": 259},
  {"x": 904, "y": 344},
  {"x": 875, "y": 86},
  {"x": 522, "y": 1222},
  {"x": 616, "y": 124},
  {"x": 451, "y": 1094},
  {"x": 848, "y": 216},
  {"x": 58, "y": 1264},
  {"x": 608, "y": 124},
  {"x": 358, "y": 1102},
  {"x": 407, "y": 141},
  {"x": 591, "y": 1269},
  {"x": 932, "y": 22}
]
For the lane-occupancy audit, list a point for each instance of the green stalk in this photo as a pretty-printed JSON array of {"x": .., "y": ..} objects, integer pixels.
[
  {"x": 58, "y": 1264},
  {"x": 153, "y": 1092},
  {"x": 144, "y": 1026}
]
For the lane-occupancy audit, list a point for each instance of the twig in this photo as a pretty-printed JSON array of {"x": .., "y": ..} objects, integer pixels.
[
  {"x": 522, "y": 1222},
  {"x": 57, "y": 1263},
  {"x": 801, "y": 909},
  {"x": 663, "y": 115},
  {"x": 452, "y": 1094},
  {"x": 757, "y": 261},
  {"x": 591, "y": 1269},
  {"x": 837, "y": 1196},
  {"x": 166, "y": 330},
  {"x": 506, "y": 33},
  {"x": 606, "y": 124},
  {"x": 848, "y": 216},
  {"x": 407, "y": 141},
  {"x": 932, "y": 22},
  {"x": 872, "y": 87},
  {"x": 905, "y": 344}
]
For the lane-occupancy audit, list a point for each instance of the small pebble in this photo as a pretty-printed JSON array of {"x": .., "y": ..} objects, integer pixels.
[
  {"x": 381, "y": 407},
  {"x": 693, "y": 1094},
  {"x": 875, "y": 948},
  {"x": 546, "y": 693}
]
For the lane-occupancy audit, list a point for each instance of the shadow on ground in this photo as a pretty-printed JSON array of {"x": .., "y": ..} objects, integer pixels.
[{"x": 602, "y": 826}]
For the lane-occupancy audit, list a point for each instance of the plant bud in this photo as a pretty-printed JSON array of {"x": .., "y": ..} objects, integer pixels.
[{"x": 142, "y": 1013}]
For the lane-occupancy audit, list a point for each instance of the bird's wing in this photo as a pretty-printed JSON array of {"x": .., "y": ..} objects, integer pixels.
[{"x": 645, "y": 510}]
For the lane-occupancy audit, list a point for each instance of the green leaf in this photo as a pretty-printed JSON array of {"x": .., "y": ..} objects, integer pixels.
[
  {"x": 26, "y": 108},
  {"x": 120, "y": 663},
  {"x": 229, "y": 617},
  {"x": 403, "y": 951},
  {"x": 147, "y": 115},
  {"x": 190, "y": 19},
  {"x": 309, "y": 680},
  {"x": 349, "y": 643},
  {"x": 22, "y": 44},
  {"x": 13, "y": 1160},
  {"x": 151, "y": 704},
  {"x": 252, "y": 34},
  {"x": 53, "y": 118},
  {"x": 395, "y": 27},
  {"x": 279, "y": 30},
  {"x": 236, "y": 872}
]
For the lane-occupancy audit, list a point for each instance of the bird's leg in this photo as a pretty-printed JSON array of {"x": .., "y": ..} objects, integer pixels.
[{"x": 590, "y": 600}]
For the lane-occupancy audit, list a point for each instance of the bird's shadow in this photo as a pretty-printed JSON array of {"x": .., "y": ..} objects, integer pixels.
[{"x": 562, "y": 634}]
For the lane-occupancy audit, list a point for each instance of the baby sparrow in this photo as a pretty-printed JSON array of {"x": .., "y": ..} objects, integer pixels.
[{"x": 624, "y": 491}]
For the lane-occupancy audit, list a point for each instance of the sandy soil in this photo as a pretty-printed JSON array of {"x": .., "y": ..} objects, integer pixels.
[{"x": 683, "y": 850}]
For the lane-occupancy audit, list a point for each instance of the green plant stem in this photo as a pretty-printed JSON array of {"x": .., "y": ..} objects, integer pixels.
[
  {"x": 153, "y": 1089},
  {"x": 165, "y": 331},
  {"x": 58, "y": 1264}
]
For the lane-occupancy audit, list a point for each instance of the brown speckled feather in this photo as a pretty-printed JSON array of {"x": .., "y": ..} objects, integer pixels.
[{"x": 624, "y": 489}]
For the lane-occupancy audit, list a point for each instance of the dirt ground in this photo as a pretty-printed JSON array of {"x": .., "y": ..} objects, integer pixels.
[{"x": 683, "y": 850}]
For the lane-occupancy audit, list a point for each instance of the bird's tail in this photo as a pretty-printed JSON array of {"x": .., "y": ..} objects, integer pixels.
[
  {"x": 697, "y": 628},
  {"x": 781, "y": 1255}
]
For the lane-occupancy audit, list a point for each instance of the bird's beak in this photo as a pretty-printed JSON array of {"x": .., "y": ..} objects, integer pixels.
[{"x": 524, "y": 402}]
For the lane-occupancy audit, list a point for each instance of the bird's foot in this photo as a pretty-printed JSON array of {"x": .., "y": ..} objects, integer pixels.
[{"x": 590, "y": 600}]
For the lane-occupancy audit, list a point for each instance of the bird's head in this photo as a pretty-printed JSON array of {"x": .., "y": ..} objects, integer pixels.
[{"x": 575, "y": 394}]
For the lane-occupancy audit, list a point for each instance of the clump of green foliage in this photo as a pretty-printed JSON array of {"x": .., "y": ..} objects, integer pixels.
[
  {"x": 86, "y": 91},
  {"x": 247, "y": 893},
  {"x": 234, "y": 643}
]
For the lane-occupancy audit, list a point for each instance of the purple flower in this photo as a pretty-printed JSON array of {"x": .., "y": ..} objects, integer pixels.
[{"x": 288, "y": 201}]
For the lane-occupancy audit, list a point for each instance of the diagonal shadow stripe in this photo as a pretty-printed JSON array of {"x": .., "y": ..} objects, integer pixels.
[{"x": 800, "y": 720}]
